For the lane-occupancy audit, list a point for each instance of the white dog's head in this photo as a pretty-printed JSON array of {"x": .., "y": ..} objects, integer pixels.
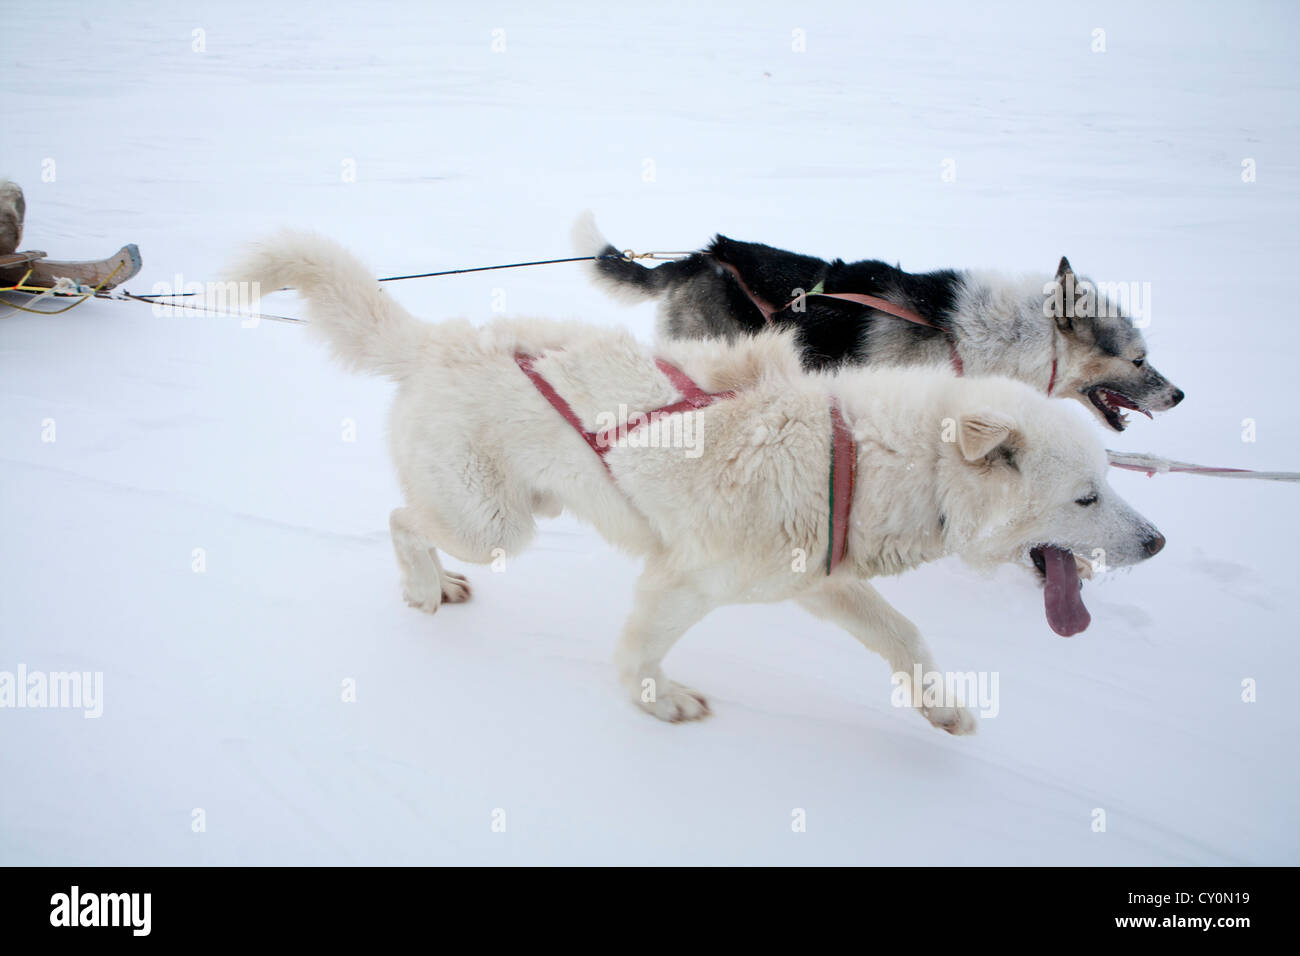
[{"x": 1022, "y": 479}]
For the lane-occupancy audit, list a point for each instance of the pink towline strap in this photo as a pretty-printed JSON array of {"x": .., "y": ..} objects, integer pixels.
[
  {"x": 844, "y": 464},
  {"x": 843, "y": 448},
  {"x": 1151, "y": 472}
]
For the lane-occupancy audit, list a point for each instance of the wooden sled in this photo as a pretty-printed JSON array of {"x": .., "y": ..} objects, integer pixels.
[{"x": 43, "y": 273}]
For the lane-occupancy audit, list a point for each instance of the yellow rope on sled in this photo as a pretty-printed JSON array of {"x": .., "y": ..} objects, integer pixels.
[{"x": 42, "y": 291}]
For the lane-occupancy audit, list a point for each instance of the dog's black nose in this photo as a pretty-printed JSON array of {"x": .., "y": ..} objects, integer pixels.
[
  {"x": 1153, "y": 544},
  {"x": 1178, "y": 397}
]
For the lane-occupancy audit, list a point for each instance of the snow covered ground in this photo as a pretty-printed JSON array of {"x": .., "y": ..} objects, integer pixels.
[{"x": 222, "y": 690}]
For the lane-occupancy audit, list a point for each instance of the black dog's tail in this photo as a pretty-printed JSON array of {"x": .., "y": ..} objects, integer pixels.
[{"x": 623, "y": 278}]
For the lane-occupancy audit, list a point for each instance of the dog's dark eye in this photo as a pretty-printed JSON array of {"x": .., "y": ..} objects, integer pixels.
[
  {"x": 1139, "y": 362},
  {"x": 1086, "y": 500}
]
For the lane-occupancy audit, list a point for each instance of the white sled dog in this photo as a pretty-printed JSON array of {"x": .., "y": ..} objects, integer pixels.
[{"x": 985, "y": 468}]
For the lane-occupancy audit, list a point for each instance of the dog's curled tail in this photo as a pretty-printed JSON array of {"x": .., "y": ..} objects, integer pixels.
[
  {"x": 619, "y": 277},
  {"x": 364, "y": 328}
]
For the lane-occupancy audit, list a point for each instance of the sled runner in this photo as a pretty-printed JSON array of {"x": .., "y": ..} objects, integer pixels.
[{"x": 31, "y": 271}]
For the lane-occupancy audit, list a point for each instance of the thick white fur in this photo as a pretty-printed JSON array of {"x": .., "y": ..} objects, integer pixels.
[{"x": 480, "y": 453}]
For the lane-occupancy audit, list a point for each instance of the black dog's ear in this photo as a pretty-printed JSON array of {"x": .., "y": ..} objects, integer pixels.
[{"x": 1061, "y": 305}]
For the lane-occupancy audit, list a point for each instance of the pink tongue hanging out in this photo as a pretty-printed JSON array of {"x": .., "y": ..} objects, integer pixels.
[{"x": 1061, "y": 598}]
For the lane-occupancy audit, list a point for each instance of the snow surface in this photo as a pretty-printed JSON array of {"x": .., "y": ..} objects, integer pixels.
[{"x": 222, "y": 690}]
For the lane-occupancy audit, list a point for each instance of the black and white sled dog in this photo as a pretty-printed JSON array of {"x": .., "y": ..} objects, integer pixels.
[
  {"x": 1057, "y": 334},
  {"x": 493, "y": 427}
]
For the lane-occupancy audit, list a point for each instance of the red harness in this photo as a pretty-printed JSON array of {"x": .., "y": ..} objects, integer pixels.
[
  {"x": 843, "y": 448},
  {"x": 880, "y": 305},
  {"x": 844, "y": 467}
]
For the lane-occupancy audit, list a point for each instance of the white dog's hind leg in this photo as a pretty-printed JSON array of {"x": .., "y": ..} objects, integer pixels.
[
  {"x": 663, "y": 610},
  {"x": 425, "y": 582},
  {"x": 859, "y": 608}
]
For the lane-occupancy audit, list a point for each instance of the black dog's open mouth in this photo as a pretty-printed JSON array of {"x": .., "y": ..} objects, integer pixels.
[
  {"x": 1062, "y": 598},
  {"x": 1109, "y": 401}
]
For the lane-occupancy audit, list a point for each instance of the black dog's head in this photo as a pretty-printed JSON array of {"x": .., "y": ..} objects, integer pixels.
[{"x": 1104, "y": 361}]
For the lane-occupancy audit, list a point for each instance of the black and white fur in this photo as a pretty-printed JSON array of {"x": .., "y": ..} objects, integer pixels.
[{"x": 997, "y": 324}]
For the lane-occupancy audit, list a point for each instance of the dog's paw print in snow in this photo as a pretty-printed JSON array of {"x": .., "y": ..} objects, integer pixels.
[
  {"x": 1132, "y": 615},
  {"x": 1219, "y": 569},
  {"x": 1239, "y": 580}
]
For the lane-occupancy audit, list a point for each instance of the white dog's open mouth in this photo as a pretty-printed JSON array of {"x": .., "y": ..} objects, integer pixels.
[
  {"x": 1109, "y": 401},
  {"x": 1062, "y": 597}
]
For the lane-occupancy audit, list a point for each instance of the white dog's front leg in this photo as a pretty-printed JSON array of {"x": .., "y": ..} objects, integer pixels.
[
  {"x": 663, "y": 610},
  {"x": 860, "y": 609}
]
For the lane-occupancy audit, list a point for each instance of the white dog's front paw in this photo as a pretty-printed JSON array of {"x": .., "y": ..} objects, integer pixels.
[
  {"x": 423, "y": 597},
  {"x": 958, "y": 721},
  {"x": 428, "y": 596},
  {"x": 674, "y": 703}
]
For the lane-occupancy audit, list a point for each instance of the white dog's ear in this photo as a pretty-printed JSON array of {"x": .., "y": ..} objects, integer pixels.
[{"x": 978, "y": 433}]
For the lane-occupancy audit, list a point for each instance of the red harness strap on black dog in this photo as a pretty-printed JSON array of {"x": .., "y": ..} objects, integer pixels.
[
  {"x": 881, "y": 305},
  {"x": 843, "y": 449},
  {"x": 902, "y": 312},
  {"x": 872, "y": 301}
]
